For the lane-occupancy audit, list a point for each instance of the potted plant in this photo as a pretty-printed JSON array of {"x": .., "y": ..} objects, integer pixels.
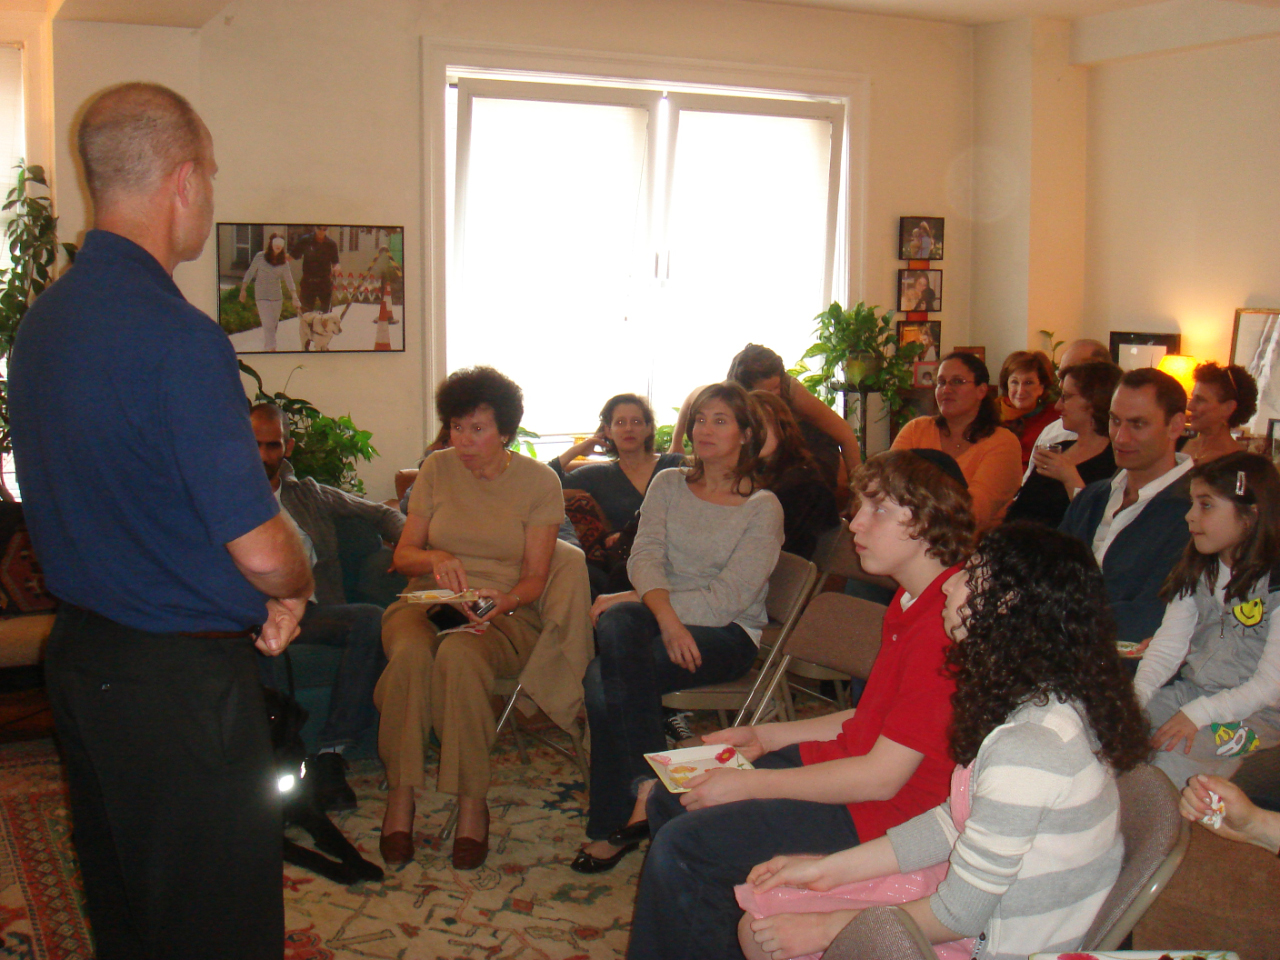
[
  {"x": 33, "y": 249},
  {"x": 859, "y": 353}
]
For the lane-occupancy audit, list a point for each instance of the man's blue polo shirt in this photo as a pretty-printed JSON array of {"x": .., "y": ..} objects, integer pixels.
[{"x": 133, "y": 446}]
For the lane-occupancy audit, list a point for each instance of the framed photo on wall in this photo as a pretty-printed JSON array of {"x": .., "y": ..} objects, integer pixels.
[
  {"x": 1273, "y": 440},
  {"x": 919, "y": 291},
  {"x": 979, "y": 352},
  {"x": 924, "y": 374},
  {"x": 920, "y": 238},
  {"x": 304, "y": 287},
  {"x": 1133, "y": 350},
  {"x": 1255, "y": 345},
  {"x": 927, "y": 333}
]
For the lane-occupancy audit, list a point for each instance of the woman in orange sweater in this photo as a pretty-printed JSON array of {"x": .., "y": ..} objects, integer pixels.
[{"x": 968, "y": 429}]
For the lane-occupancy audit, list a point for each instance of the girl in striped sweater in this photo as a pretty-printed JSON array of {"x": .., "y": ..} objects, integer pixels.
[{"x": 1028, "y": 846}]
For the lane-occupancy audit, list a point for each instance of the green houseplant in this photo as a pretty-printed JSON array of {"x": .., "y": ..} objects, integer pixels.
[
  {"x": 326, "y": 448},
  {"x": 32, "y": 232},
  {"x": 858, "y": 352}
]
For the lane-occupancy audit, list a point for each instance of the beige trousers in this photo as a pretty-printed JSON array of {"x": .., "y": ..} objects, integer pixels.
[{"x": 444, "y": 683}]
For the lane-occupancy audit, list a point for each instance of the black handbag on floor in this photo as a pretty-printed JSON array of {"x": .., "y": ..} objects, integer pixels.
[{"x": 286, "y": 718}]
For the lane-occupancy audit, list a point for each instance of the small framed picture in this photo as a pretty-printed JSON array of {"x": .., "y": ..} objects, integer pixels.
[
  {"x": 1255, "y": 345},
  {"x": 979, "y": 352},
  {"x": 927, "y": 333},
  {"x": 1133, "y": 350},
  {"x": 924, "y": 374},
  {"x": 920, "y": 238},
  {"x": 919, "y": 290}
]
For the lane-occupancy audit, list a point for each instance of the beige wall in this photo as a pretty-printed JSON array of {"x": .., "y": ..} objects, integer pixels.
[
  {"x": 317, "y": 112},
  {"x": 1184, "y": 156}
]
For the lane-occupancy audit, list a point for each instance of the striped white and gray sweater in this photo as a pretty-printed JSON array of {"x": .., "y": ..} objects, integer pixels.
[{"x": 1041, "y": 848}]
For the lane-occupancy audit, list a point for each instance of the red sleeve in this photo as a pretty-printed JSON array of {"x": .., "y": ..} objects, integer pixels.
[{"x": 921, "y": 712}]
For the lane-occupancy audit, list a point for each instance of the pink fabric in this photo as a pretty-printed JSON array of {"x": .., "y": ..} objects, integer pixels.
[{"x": 894, "y": 889}]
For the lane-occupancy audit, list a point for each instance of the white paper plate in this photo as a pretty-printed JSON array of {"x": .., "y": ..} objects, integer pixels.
[{"x": 675, "y": 767}]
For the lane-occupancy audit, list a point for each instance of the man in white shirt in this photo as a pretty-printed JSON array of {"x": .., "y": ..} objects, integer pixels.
[
  {"x": 1135, "y": 523},
  {"x": 1078, "y": 351}
]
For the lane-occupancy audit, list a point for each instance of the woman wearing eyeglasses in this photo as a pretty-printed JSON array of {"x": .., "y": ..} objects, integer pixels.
[
  {"x": 968, "y": 429},
  {"x": 1223, "y": 398}
]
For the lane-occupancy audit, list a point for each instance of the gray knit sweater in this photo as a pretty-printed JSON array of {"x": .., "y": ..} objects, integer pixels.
[{"x": 715, "y": 560}]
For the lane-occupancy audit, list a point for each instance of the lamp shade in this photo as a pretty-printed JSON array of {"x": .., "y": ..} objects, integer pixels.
[{"x": 1181, "y": 368}]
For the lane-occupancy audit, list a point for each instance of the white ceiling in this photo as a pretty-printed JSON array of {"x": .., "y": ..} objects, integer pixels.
[
  {"x": 196, "y": 13},
  {"x": 989, "y": 11}
]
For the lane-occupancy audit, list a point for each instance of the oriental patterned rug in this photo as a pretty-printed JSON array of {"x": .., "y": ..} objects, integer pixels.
[{"x": 525, "y": 902}]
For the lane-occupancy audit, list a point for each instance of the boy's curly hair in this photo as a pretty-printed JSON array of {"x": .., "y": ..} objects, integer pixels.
[
  {"x": 941, "y": 509},
  {"x": 1038, "y": 626}
]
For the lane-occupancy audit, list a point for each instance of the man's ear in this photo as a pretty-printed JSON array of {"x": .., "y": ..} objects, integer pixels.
[
  {"x": 182, "y": 176},
  {"x": 1177, "y": 424},
  {"x": 288, "y": 447}
]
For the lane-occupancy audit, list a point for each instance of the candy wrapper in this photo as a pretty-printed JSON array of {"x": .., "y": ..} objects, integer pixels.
[{"x": 1217, "y": 809}]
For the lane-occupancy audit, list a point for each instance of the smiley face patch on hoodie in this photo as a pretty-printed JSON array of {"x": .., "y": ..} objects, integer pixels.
[{"x": 1249, "y": 613}]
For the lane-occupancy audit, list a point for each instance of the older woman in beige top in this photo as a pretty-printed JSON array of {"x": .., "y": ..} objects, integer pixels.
[{"x": 480, "y": 517}]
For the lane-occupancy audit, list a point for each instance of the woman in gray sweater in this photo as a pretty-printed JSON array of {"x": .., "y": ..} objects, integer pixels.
[
  {"x": 269, "y": 267},
  {"x": 700, "y": 565}
]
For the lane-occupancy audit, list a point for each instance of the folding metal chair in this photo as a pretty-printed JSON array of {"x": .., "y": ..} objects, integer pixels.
[{"x": 790, "y": 585}]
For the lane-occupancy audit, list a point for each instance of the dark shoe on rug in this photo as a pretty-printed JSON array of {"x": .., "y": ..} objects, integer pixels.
[
  {"x": 328, "y": 774},
  {"x": 469, "y": 853},
  {"x": 631, "y": 833},
  {"x": 589, "y": 863},
  {"x": 396, "y": 848},
  {"x": 676, "y": 728}
]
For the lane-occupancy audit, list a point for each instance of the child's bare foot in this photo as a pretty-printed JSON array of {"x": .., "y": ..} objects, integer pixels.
[{"x": 786, "y": 935}]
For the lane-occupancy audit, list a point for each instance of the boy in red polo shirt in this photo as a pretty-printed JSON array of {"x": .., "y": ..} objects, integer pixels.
[{"x": 827, "y": 783}]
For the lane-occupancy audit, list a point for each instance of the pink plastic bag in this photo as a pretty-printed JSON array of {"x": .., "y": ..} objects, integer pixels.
[{"x": 893, "y": 889}]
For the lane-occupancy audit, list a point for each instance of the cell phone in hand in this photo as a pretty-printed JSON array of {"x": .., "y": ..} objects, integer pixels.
[{"x": 482, "y": 606}]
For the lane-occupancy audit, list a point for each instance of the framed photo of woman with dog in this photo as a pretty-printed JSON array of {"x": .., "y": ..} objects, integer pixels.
[{"x": 311, "y": 287}]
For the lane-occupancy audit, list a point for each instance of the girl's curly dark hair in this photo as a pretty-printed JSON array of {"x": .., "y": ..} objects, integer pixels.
[{"x": 1037, "y": 626}]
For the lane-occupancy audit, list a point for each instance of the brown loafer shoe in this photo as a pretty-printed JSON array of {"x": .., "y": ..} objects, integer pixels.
[
  {"x": 468, "y": 854},
  {"x": 396, "y": 848}
]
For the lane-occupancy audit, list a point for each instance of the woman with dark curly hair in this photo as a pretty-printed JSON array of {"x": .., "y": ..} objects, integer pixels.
[
  {"x": 788, "y": 469},
  {"x": 1044, "y": 719},
  {"x": 968, "y": 430},
  {"x": 483, "y": 517},
  {"x": 1222, "y": 398}
]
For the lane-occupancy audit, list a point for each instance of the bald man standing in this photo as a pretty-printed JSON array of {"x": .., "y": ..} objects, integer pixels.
[{"x": 159, "y": 533}]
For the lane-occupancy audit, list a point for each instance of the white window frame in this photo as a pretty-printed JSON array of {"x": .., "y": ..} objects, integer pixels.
[{"x": 442, "y": 59}]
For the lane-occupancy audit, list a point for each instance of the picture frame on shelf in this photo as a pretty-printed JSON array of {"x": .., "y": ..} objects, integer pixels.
[
  {"x": 979, "y": 352},
  {"x": 924, "y": 374},
  {"x": 1255, "y": 345},
  {"x": 920, "y": 238},
  {"x": 359, "y": 309},
  {"x": 927, "y": 333},
  {"x": 1132, "y": 350},
  {"x": 919, "y": 291}
]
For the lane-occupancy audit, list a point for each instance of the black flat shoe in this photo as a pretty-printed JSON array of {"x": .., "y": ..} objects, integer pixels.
[
  {"x": 586, "y": 863},
  {"x": 631, "y": 833}
]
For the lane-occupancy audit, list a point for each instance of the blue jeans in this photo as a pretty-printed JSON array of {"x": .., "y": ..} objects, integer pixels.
[
  {"x": 624, "y": 687},
  {"x": 697, "y": 857},
  {"x": 357, "y": 628}
]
